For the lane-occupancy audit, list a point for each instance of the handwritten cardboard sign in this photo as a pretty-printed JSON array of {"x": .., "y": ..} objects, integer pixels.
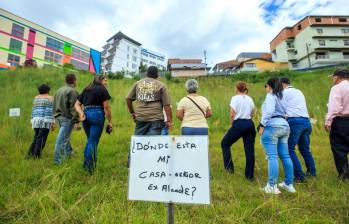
[
  {"x": 169, "y": 169},
  {"x": 15, "y": 112}
]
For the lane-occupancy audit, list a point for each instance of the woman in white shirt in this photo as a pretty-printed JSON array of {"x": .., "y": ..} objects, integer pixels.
[
  {"x": 241, "y": 113},
  {"x": 193, "y": 110}
]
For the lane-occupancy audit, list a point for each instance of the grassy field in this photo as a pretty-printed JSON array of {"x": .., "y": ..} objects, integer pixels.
[{"x": 37, "y": 191}]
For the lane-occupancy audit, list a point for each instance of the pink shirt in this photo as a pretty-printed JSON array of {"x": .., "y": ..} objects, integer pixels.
[{"x": 338, "y": 102}]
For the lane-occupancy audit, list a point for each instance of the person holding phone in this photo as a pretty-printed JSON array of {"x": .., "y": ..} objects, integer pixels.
[{"x": 93, "y": 107}]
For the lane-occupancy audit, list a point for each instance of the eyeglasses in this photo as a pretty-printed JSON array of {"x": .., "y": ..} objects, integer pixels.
[{"x": 265, "y": 86}]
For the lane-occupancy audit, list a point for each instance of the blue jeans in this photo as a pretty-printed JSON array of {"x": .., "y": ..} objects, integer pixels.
[
  {"x": 63, "y": 147},
  {"x": 164, "y": 131},
  {"x": 194, "y": 131},
  {"x": 93, "y": 126},
  {"x": 241, "y": 129},
  {"x": 300, "y": 135},
  {"x": 149, "y": 127},
  {"x": 274, "y": 141}
]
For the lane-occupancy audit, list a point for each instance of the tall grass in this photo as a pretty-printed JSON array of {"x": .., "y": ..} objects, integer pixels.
[{"x": 36, "y": 191}]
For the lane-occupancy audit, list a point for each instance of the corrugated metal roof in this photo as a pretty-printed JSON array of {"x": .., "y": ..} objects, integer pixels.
[{"x": 252, "y": 54}]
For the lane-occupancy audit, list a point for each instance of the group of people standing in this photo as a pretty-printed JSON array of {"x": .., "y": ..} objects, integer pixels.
[
  {"x": 68, "y": 109},
  {"x": 284, "y": 124}
]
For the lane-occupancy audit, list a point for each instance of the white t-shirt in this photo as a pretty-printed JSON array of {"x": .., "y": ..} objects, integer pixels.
[{"x": 243, "y": 106}]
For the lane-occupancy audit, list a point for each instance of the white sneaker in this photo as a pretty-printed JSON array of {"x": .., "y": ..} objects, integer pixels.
[
  {"x": 288, "y": 188},
  {"x": 271, "y": 189}
]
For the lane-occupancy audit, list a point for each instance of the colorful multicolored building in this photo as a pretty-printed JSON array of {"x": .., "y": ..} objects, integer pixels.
[{"x": 21, "y": 40}]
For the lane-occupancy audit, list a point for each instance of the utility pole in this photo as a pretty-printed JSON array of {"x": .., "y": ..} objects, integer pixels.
[
  {"x": 205, "y": 60},
  {"x": 306, "y": 44}
]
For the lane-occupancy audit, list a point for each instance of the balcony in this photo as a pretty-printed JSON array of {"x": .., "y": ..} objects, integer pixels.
[
  {"x": 338, "y": 44},
  {"x": 290, "y": 47}
]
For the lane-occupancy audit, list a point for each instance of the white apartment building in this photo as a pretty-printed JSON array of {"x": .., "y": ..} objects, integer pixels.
[
  {"x": 315, "y": 41},
  {"x": 121, "y": 53},
  {"x": 151, "y": 58}
]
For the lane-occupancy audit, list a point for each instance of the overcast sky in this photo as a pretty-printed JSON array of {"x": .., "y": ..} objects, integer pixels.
[{"x": 176, "y": 28}]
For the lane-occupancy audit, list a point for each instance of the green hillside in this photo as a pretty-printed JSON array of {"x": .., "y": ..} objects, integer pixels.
[{"x": 37, "y": 191}]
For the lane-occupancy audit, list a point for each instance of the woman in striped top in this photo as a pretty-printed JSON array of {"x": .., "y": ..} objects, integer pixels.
[{"x": 42, "y": 120}]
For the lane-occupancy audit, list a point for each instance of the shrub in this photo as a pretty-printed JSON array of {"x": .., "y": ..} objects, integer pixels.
[
  {"x": 136, "y": 77},
  {"x": 68, "y": 66},
  {"x": 116, "y": 75},
  {"x": 168, "y": 75}
]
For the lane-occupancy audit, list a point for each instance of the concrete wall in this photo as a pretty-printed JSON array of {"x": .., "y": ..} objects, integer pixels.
[{"x": 188, "y": 73}]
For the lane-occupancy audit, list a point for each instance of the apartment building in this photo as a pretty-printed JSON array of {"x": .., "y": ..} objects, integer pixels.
[
  {"x": 186, "y": 67},
  {"x": 21, "y": 39},
  {"x": 314, "y": 41},
  {"x": 152, "y": 58},
  {"x": 121, "y": 53},
  {"x": 226, "y": 67}
]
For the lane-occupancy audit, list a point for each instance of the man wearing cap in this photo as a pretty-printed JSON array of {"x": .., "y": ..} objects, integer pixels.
[
  {"x": 337, "y": 121},
  {"x": 300, "y": 126}
]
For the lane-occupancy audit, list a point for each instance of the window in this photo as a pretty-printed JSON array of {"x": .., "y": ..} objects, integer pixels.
[
  {"x": 346, "y": 55},
  {"x": 51, "y": 56},
  {"x": 322, "y": 43},
  {"x": 321, "y": 55},
  {"x": 134, "y": 59},
  {"x": 79, "y": 65},
  {"x": 17, "y": 30},
  {"x": 290, "y": 44},
  {"x": 346, "y": 31},
  {"x": 134, "y": 51},
  {"x": 134, "y": 66},
  {"x": 13, "y": 59},
  {"x": 342, "y": 20},
  {"x": 318, "y": 20},
  {"x": 320, "y": 31},
  {"x": 128, "y": 56},
  {"x": 54, "y": 44},
  {"x": 128, "y": 49},
  {"x": 346, "y": 42},
  {"x": 127, "y": 65},
  {"x": 294, "y": 65},
  {"x": 299, "y": 27},
  {"x": 15, "y": 45},
  {"x": 250, "y": 65},
  {"x": 82, "y": 55}
]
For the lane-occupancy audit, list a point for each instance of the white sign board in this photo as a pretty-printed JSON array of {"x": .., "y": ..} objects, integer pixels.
[
  {"x": 169, "y": 169},
  {"x": 15, "y": 112}
]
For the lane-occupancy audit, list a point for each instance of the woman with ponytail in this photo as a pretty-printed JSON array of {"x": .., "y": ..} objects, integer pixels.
[
  {"x": 274, "y": 131},
  {"x": 93, "y": 106},
  {"x": 241, "y": 113}
]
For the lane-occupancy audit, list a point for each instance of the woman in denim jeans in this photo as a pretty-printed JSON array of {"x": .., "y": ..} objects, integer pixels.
[
  {"x": 95, "y": 103},
  {"x": 274, "y": 131}
]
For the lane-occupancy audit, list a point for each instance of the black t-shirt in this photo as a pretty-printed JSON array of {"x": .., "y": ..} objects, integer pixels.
[{"x": 94, "y": 96}]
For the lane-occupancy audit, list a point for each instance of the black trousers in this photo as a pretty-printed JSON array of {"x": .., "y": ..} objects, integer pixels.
[
  {"x": 339, "y": 139},
  {"x": 39, "y": 142},
  {"x": 241, "y": 129}
]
